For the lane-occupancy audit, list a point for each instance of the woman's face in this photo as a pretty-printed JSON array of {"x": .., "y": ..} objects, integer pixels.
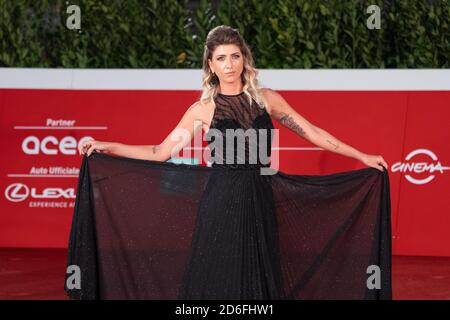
[{"x": 227, "y": 63}]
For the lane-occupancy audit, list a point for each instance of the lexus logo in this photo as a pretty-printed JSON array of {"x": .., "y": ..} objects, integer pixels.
[{"x": 18, "y": 192}]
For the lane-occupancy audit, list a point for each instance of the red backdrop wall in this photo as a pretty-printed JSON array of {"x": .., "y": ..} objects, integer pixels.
[{"x": 39, "y": 160}]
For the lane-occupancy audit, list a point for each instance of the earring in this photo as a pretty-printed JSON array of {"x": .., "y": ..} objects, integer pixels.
[{"x": 214, "y": 79}]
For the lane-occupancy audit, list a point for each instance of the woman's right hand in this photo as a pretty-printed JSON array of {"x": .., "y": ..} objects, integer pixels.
[{"x": 90, "y": 146}]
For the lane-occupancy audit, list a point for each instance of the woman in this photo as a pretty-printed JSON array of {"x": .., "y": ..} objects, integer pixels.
[{"x": 243, "y": 234}]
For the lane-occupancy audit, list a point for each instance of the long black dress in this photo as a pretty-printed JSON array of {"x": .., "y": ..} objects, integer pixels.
[{"x": 158, "y": 230}]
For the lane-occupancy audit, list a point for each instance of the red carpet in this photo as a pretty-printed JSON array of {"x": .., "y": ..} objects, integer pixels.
[{"x": 39, "y": 274}]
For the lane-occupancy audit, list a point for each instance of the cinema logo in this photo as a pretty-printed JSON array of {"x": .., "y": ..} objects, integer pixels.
[
  {"x": 413, "y": 168},
  {"x": 19, "y": 192}
]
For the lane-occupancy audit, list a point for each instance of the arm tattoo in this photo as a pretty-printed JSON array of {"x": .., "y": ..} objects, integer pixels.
[
  {"x": 335, "y": 145},
  {"x": 289, "y": 122}
]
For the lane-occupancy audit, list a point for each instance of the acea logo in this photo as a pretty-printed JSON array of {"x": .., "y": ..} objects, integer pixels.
[
  {"x": 51, "y": 145},
  {"x": 415, "y": 169},
  {"x": 18, "y": 192}
]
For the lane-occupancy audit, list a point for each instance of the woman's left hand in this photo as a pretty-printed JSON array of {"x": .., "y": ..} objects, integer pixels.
[{"x": 374, "y": 161}]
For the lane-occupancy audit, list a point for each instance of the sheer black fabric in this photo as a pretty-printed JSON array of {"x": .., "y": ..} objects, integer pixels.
[{"x": 157, "y": 230}]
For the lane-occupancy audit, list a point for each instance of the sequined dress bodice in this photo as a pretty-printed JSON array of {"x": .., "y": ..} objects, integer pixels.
[{"x": 246, "y": 130}]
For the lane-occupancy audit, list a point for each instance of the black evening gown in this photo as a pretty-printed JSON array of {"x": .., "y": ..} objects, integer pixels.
[{"x": 159, "y": 230}]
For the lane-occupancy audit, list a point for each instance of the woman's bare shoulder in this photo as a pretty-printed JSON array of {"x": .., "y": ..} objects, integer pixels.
[
  {"x": 270, "y": 97},
  {"x": 268, "y": 92},
  {"x": 202, "y": 110},
  {"x": 200, "y": 107}
]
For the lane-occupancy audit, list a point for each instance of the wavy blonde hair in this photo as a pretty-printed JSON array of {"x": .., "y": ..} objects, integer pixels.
[{"x": 226, "y": 35}]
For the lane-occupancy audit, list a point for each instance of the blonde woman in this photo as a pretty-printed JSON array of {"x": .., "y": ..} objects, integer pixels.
[{"x": 228, "y": 231}]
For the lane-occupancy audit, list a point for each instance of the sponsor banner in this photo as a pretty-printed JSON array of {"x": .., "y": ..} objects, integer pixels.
[{"x": 42, "y": 128}]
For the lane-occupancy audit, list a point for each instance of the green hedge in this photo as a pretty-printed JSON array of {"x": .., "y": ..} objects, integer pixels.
[{"x": 282, "y": 34}]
